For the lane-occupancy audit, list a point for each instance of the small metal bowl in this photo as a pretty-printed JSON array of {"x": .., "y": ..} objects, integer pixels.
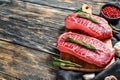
[{"x": 110, "y": 20}]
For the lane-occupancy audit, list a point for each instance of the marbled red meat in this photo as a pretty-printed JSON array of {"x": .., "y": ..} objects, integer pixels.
[
  {"x": 101, "y": 31},
  {"x": 100, "y": 57}
]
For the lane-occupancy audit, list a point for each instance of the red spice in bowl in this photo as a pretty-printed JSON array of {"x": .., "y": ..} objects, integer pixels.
[{"x": 111, "y": 11}]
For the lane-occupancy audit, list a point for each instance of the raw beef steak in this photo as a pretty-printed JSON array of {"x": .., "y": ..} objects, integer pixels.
[
  {"x": 102, "y": 30},
  {"x": 100, "y": 57}
]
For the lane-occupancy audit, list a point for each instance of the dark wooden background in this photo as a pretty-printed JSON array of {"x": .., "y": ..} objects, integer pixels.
[{"x": 28, "y": 34}]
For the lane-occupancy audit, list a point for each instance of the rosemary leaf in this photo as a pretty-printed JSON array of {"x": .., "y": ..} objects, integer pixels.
[
  {"x": 86, "y": 45},
  {"x": 79, "y": 10},
  {"x": 88, "y": 18},
  {"x": 55, "y": 63},
  {"x": 60, "y": 62},
  {"x": 113, "y": 27},
  {"x": 94, "y": 20}
]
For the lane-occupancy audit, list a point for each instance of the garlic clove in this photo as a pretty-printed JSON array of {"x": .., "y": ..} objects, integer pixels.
[{"x": 117, "y": 47}]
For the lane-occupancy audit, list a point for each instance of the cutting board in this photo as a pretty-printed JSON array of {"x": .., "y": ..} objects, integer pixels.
[{"x": 89, "y": 67}]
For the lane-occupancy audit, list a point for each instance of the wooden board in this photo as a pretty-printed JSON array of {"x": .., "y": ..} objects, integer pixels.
[
  {"x": 86, "y": 66},
  {"x": 25, "y": 63}
]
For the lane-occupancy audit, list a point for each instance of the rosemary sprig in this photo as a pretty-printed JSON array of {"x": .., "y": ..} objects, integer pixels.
[
  {"x": 55, "y": 63},
  {"x": 80, "y": 10},
  {"x": 88, "y": 18},
  {"x": 59, "y": 62},
  {"x": 114, "y": 27},
  {"x": 86, "y": 45}
]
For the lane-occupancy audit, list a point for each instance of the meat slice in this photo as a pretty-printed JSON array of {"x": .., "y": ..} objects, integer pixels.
[
  {"x": 100, "y": 57},
  {"x": 101, "y": 30}
]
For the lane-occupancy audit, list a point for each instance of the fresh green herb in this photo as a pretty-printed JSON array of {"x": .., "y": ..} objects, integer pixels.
[
  {"x": 86, "y": 45},
  {"x": 88, "y": 18},
  {"x": 60, "y": 60},
  {"x": 113, "y": 27},
  {"x": 79, "y": 10},
  {"x": 55, "y": 63},
  {"x": 66, "y": 63}
]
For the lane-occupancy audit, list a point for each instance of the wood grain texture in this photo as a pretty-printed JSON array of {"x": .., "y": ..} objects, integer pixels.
[
  {"x": 25, "y": 63},
  {"x": 28, "y": 32},
  {"x": 72, "y": 4},
  {"x": 30, "y": 25}
]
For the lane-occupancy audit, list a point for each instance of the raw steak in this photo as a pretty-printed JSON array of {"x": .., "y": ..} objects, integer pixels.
[
  {"x": 101, "y": 31},
  {"x": 100, "y": 57}
]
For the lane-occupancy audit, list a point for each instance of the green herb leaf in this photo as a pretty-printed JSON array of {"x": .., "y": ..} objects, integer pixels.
[
  {"x": 79, "y": 10},
  {"x": 55, "y": 63},
  {"x": 113, "y": 27},
  {"x": 86, "y": 45},
  {"x": 88, "y": 18},
  {"x": 94, "y": 20},
  {"x": 60, "y": 62}
]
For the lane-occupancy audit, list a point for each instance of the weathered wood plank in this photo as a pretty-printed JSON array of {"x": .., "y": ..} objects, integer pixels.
[
  {"x": 24, "y": 63},
  {"x": 27, "y": 26},
  {"x": 71, "y": 4},
  {"x": 17, "y": 27}
]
